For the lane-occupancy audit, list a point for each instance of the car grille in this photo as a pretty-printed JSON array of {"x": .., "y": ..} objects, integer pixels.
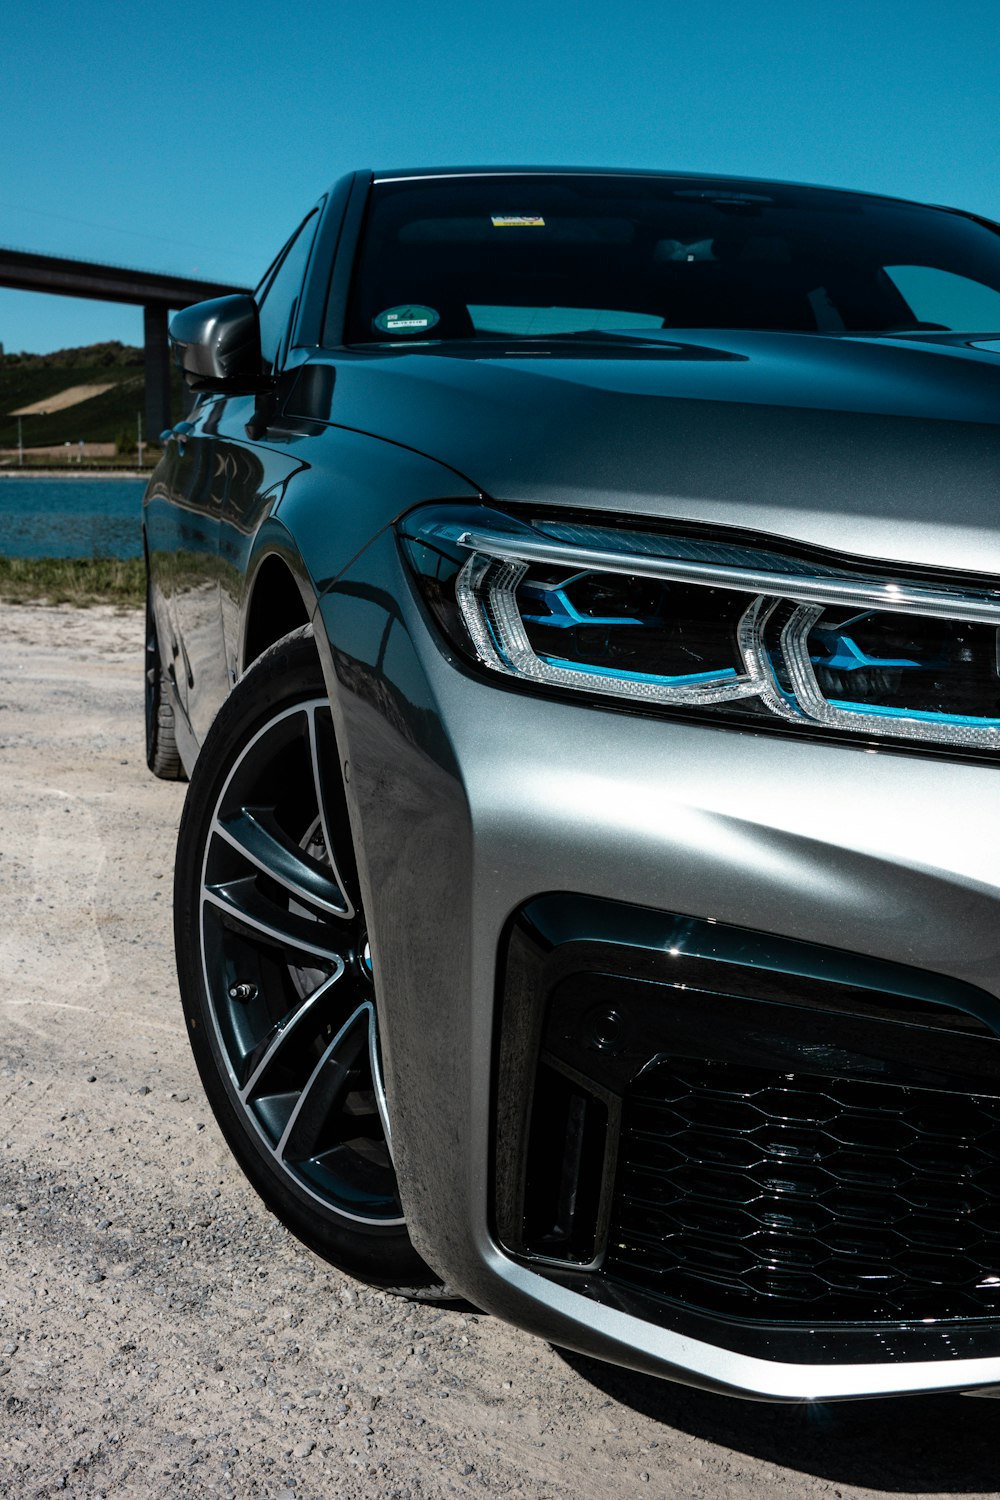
[
  {"x": 750, "y": 1140},
  {"x": 746, "y": 1192}
]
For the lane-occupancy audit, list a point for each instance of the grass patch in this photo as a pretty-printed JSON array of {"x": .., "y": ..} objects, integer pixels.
[{"x": 73, "y": 580}]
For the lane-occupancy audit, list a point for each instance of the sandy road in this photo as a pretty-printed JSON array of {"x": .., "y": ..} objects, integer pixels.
[{"x": 160, "y": 1334}]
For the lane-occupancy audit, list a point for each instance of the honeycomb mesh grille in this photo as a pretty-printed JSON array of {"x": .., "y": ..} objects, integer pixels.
[{"x": 801, "y": 1198}]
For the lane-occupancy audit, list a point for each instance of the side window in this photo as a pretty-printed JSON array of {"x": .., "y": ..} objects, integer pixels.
[
  {"x": 943, "y": 299},
  {"x": 281, "y": 294}
]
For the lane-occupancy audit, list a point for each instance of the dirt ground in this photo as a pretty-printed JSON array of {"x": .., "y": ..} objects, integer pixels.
[{"x": 161, "y": 1334}]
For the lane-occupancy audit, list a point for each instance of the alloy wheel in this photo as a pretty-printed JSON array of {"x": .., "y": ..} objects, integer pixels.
[{"x": 288, "y": 971}]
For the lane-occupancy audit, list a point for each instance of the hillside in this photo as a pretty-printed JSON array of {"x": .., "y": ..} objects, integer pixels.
[{"x": 26, "y": 379}]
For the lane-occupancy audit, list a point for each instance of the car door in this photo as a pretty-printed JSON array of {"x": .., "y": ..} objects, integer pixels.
[
  {"x": 252, "y": 470},
  {"x": 211, "y": 493},
  {"x": 182, "y": 537}
]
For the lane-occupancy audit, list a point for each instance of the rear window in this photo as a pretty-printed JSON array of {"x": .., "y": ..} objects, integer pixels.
[{"x": 565, "y": 256}]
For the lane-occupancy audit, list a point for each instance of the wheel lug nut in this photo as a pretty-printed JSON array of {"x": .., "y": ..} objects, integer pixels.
[{"x": 244, "y": 992}]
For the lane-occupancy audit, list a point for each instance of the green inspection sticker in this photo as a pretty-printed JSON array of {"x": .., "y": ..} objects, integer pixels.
[{"x": 409, "y": 319}]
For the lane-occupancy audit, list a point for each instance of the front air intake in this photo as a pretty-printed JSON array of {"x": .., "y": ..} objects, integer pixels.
[
  {"x": 794, "y": 1196},
  {"x": 702, "y": 1124}
]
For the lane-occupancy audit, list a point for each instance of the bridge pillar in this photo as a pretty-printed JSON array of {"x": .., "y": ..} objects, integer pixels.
[{"x": 157, "y": 365}]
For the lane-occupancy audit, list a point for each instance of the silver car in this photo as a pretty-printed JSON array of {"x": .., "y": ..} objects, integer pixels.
[{"x": 573, "y": 597}]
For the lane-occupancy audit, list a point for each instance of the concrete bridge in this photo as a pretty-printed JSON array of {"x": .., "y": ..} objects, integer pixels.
[{"x": 155, "y": 293}]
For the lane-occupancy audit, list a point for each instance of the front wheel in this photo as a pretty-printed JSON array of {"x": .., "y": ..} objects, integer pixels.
[{"x": 276, "y": 972}]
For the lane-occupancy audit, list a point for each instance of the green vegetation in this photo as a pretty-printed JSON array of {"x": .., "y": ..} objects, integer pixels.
[
  {"x": 73, "y": 580},
  {"x": 27, "y": 378}
]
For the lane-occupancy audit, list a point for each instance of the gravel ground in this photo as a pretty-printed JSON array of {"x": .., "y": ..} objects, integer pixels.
[{"x": 160, "y": 1333}]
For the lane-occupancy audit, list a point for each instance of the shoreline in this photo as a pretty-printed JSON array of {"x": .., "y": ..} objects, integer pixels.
[{"x": 71, "y": 473}]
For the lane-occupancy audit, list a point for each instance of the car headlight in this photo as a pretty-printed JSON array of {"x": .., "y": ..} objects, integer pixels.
[{"x": 693, "y": 623}]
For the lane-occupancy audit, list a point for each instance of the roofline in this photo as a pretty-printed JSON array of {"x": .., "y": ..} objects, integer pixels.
[{"x": 417, "y": 174}]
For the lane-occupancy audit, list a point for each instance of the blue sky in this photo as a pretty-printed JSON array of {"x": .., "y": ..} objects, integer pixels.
[{"x": 191, "y": 138}]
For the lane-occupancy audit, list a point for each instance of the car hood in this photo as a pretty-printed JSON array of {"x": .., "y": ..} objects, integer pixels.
[{"x": 885, "y": 447}]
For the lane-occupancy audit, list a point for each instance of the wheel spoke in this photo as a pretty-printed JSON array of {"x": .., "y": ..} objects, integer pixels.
[
  {"x": 330, "y": 798},
  {"x": 271, "y": 1049},
  {"x": 326, "y": 1089},
  {"x": 245, "y": 908},
  {"x": 256, "y": 833}
]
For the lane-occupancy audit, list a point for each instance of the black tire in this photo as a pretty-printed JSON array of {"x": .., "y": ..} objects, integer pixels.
[
  {"x": 162, "y": 756},
  {"x": 276, "y": 976}
]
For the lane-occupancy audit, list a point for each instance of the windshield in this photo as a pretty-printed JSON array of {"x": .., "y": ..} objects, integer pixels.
[{"x": 559, "y": 256}]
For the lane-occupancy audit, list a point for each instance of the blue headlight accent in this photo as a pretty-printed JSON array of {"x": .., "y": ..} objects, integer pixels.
[
  {"x": 925, "y": 716},
  {"x": 847, "y": 656},
  {"x": 688, "y": 679}
]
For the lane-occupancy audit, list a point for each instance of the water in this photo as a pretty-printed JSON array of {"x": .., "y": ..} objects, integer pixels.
[{"x": 71, "y": 517}]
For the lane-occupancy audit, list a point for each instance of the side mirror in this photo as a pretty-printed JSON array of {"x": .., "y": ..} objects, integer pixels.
[{"x": 217, "y": 346}]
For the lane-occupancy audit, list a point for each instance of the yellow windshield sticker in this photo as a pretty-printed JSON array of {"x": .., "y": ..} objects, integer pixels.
[{"x": 518, "y": 221}]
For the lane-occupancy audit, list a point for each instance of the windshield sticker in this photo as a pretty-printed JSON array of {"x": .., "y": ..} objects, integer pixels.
[
  {"x": 408, "y": 319},
  {"x": 518, "y": 221}
]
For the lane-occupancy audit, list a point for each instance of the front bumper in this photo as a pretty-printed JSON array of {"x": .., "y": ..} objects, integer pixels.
[{"x": 471, "y": 801}]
